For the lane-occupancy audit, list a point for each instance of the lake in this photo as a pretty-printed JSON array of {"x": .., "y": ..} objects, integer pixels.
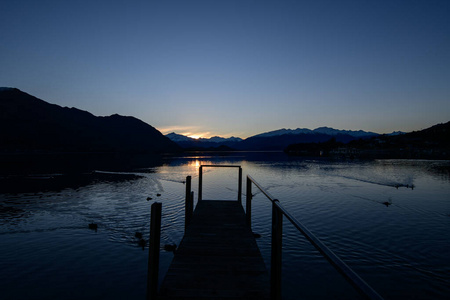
[{"x": 389, "y": 220}]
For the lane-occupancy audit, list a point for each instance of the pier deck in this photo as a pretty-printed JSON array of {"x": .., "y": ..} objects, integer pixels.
[{"x": 218, "y": 257}]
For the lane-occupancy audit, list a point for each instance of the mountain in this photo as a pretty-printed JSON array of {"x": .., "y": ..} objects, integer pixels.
[
  {"x": 396, "y": 133},
  {"x": 218, "y": 139},
  {"x": 303, "y": 140},
  {"x": 321, "y": 130},
  {"x": 281, "y": 138},
  {"x": 280, "y": 142},
  {"x": 430, "y": 143},
  {"x": 283, "y": 131},
  {"x": 213, "y": 142},
  {"x": 30, "y": 124},
  {"x": 179, "y": 138},
  {"x": 274, "y": 140}
]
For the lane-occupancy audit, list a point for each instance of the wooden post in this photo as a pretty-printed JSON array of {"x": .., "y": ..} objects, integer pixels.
[
  {"x": 248, "y": 203},
  {"x": 188, "y": 203},
  {"x": 189, "y": 210},
  {"x": 275, "y": 269},
  {"x": 240, "y": 186},
  {"x": 200, "y": 183},
  {"x": 188, "y": 186},
  {"x": 153, "y": 251}
]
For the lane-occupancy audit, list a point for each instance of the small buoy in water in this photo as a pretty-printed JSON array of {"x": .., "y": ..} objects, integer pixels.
[
  {"x": 138, "y": 235},
  {"x": 170, "y": 247},
  {"x": 149, "y": 198},
  {"x": 387, "y": 203},
  {"x": 93, "y": 226},
  {"x": 158, "y": 195}
]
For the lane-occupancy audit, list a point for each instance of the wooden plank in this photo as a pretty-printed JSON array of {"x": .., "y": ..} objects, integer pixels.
[{"x": 218, "y": 257}]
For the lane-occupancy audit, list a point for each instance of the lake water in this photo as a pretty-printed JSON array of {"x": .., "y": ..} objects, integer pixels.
[{"x": 389, "y": 220}]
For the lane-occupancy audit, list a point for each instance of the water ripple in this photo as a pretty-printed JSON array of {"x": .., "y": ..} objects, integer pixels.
[{"x": 400, "y": 248}]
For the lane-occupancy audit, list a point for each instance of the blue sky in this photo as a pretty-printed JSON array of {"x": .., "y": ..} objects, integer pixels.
[{"x": 235, "y": 67}]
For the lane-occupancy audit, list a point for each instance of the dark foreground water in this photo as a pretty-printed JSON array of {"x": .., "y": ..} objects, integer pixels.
[{"x": 387, "y": 219}]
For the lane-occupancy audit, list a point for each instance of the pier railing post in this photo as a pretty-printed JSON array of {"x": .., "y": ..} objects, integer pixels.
[
  {"x": 240, "y": 186},
  {"x": 275, "y": 269},
  {"x": 248, "y": 203},
  {"x": 189, "y": 203},
  {"x": 200, "y": 183},
  {"x": 153, "y": 251}
]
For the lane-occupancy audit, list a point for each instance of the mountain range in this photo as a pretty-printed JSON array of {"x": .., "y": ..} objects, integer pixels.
[
  {"x": 202, "y": 143},
  {"x": 272, "y": 140},
  {"x": 31, "y": 125},
  {"x": 320, "y": 130}
]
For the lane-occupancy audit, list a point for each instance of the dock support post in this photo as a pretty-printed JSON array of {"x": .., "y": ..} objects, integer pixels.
[
  {"x": 189, "y": 203},
  {"x": 248, "y": 203},
  {"x": 153, "y": 251},
  {"x": 200, "y": 183},
  {"x": 275, "y": 269},
  {"x": 240, "y": 186}
]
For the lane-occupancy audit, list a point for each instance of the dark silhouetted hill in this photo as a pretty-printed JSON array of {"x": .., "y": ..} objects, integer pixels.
[
  {"x": 430, "y": 143},
  {"x": 435, "y": 136},
  {"x": 29, "y": 124}
]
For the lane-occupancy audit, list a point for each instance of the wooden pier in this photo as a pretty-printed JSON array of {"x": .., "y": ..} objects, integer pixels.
[{"x": 218, "y": 257}]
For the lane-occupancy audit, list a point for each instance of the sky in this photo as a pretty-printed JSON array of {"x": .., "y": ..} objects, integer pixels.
[{"x": 235, "y": 68}]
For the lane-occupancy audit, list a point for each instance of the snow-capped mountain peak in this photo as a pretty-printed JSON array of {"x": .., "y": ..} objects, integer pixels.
[
  {"x": 218, "y": 139},
  {"x": 354, "y": 133},
  {"x": 321, "y": 130},
  {"x": 284, "y": 131},
  {"x": 178, "y": 137},
  {"x": 215, "y": 139}
]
